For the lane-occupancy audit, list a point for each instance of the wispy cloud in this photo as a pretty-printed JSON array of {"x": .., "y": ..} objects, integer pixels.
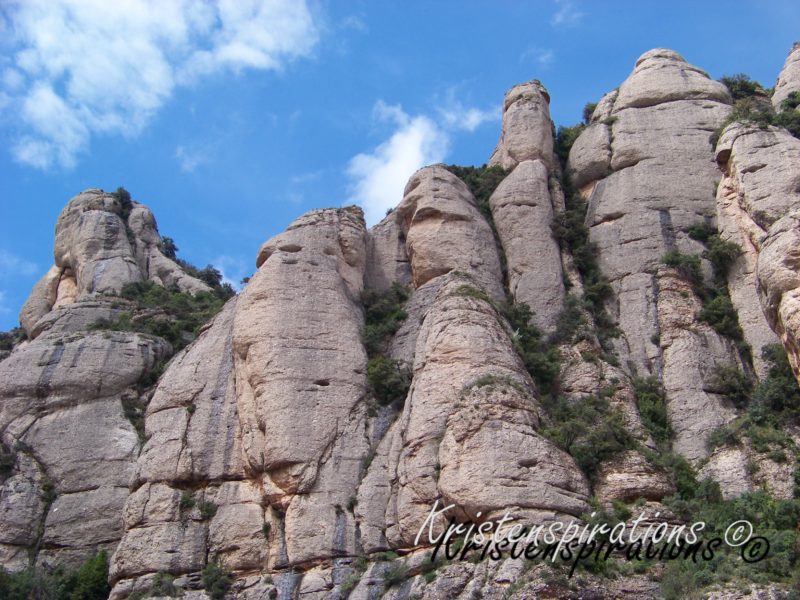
[
  {"x": 82, "y": 68},
  {"x": 454, "y": 115},
  {"x": 233, "y": 269},
  {"x": 543, "y": 57},
  {"x": 355, "y": 23},
  {"x": 308, "y": 177},
  {"x": 190, "y": 159},
  {"x": 567, "y": 15},
  {"x": 12, "y": 265},
  {"x": 377, "y": 178},
  {"x": 12, "y": 268}
]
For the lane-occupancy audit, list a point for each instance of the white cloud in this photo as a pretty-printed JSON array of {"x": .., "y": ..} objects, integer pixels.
[
  {"x": 567, "y": 15},
  {"x": 307, "y": 177},
  {"x": 190, "y": 159},
  {"x": 12, "y": 265},
  {"x": 233, "y": 269},
  {"x": 541, "y": 56},
  {"x": 3, "y": 308},
  {"x": 355, "y": 23},
  {"x": 455, "y": 116},
  {"x": 379, "y": 177},
  {"x": 82, "y": 67}
]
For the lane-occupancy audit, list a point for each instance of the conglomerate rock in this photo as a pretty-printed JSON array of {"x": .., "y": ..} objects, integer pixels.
[
  {"x": 527, "y": 130},
  {"x": 660, "y": 180},
  {"x": 759, "y": 203},
  {"x": 67, "y": 396},
  {"x": 789, "y": 78},
  {"x": 264, "y": 448},
  {"x": 99, "y": 248}
]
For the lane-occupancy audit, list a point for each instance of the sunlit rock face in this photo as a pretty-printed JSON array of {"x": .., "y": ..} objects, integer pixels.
[{"x": 264, "y": 447}]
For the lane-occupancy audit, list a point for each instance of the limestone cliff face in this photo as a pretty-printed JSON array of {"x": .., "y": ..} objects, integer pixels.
[
  {"x": 99, "y": 248},
  {"x": 63, "y": 392},
  {"x": 524, "y": 203},
  {"x": 789, "y": 78},
  {"x": 280, "y": 425},
  {"x": 266, "y": 447},
  {"x": 647, "y": 169},
  {"x": 757, "y": 201}
]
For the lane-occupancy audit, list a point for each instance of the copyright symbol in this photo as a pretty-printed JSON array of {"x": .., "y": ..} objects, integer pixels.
[
  {"x": 755, "y": 550},
  {"x": 738, "y": 533}
]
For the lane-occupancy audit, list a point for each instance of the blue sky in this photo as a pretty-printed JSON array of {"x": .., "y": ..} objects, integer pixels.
[{"x": 231, "y": 118}]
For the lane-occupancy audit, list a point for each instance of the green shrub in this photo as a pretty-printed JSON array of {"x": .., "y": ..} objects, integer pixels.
[
  {"x": 541, "y": 359},
  {"x": 588, "y": 429},
  {"x": 571, "y": 324},
  {"x": 687, "y": 265},
  {"x": 588, "y": 110},
  {"x": 572, "y": 234},
  {"x": 88, "y": 582},
  {"x": 163, "y": 585},
  {"x": 124, "y": 198},
  {"x": 734, "y": 385},
  {"x": 701, "y": 231},
  {"x": 167, "y": 312},
  {"x": 721, "y": 254},
  {"x": 349, "y": 584},
  {"x": 168, "y": 247},
  {"x": 384, "y": 315},
  {"x": 133, "y": 410},
  {"x": 492, "y": 380},
  {"x": 789, "y": 120},
  {"x": 765, "y": 435},
  {"x": 429, "y": 566},
  {"x": 395, "y": 574},
  {"x": 721, "y": 315},
  {"x": 792, "y": 101},
  {"x": 389, "y": 380},
  {"x": 651, "y": 399},
  {"x": 216, "y": 581},
  {"x": 10, "y": 338},
  {"x": 385, "y": 556},
  {"x": 470, "y": 291},
  {"x": 207, "y": 510},
  {"x": 187, "y": 501},
  {"x": 776, "y": 520},
  {"x": 747, "y": 110},
  {"x": 482, "y": 182},
  {"x": 49, "y": 491},
  {"x": 565, "y": 138},
  {"x": 741, "y": 86},
  {"x": 718, "y": 310},
  {"x": 679, "y": 470},
  {"x": 778, "y": 393},
  {"x": 8, "y": 460},
  {"x": 92, "y": 579}
]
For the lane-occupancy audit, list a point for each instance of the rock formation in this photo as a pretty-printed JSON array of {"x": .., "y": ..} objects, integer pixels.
[
  {"x": 647, "y": 169},
  {"x": 64, "y": 393},
  {"x": 266, "y": 450},
  {"x": 523, "y": 206},
  {"x": 789, "y": 78}
]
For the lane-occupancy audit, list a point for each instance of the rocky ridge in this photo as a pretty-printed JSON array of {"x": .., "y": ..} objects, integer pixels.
[{"x": 267, "y": 452}]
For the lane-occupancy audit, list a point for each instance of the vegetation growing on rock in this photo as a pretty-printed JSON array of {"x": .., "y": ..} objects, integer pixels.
[
  {"x": 88, "y": 582},
  {"x": 166, "y": 312},
  {"x": 384, "y": 314}
]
